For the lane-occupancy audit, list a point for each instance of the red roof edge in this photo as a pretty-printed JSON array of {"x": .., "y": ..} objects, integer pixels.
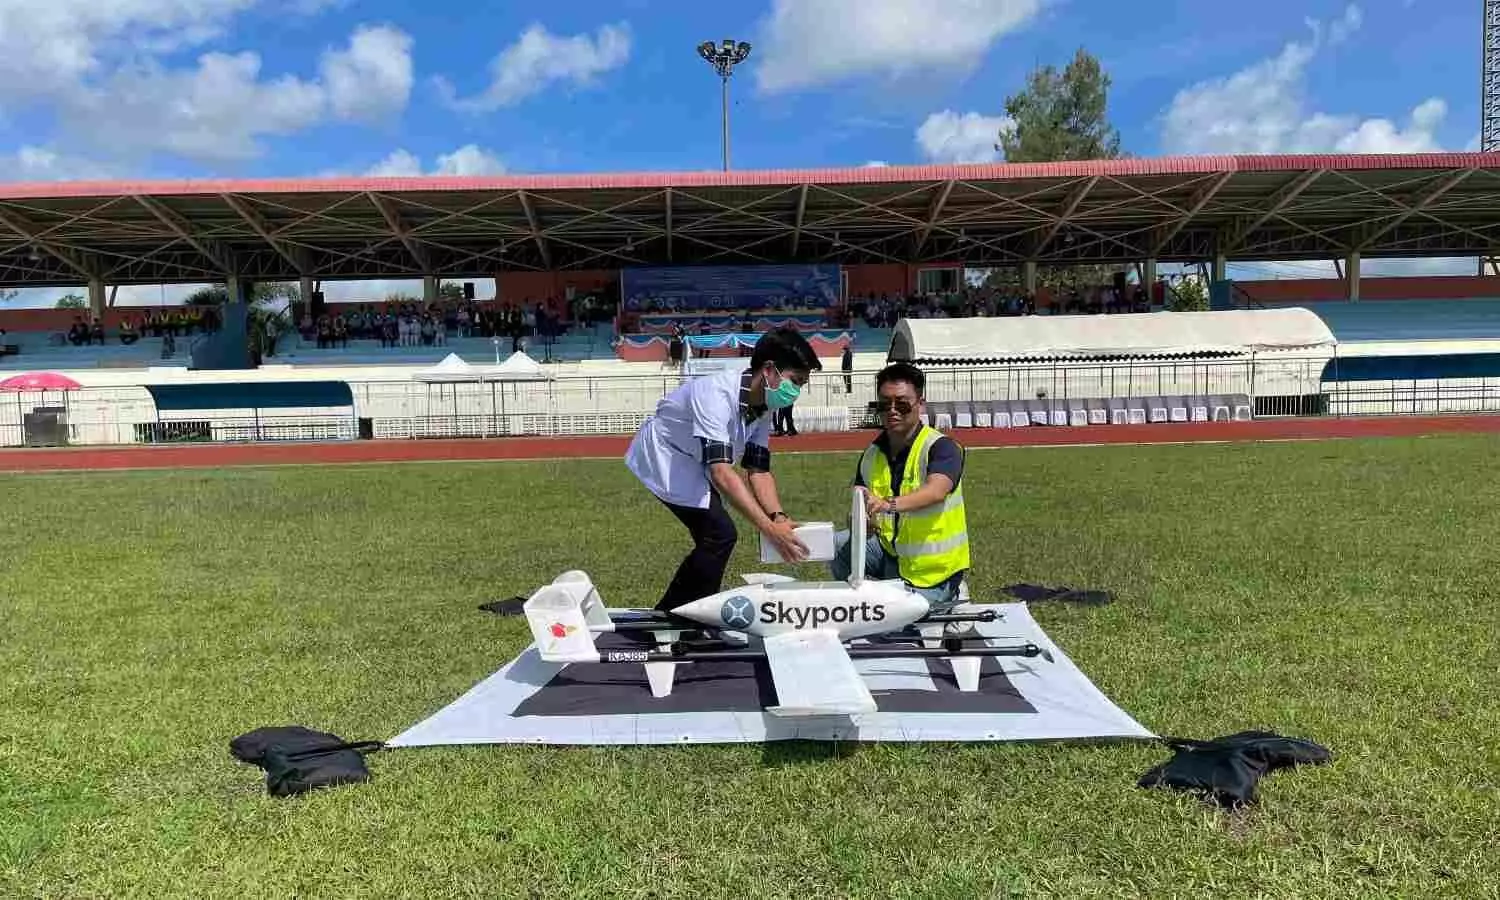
[{"x": 1180, "y": 165}]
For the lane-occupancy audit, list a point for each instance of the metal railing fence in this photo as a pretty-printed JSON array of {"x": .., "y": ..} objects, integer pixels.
[{"x": 615, "y": 404}]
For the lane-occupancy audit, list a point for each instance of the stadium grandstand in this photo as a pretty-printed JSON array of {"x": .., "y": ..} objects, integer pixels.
[{"x": 571, "y": 303}]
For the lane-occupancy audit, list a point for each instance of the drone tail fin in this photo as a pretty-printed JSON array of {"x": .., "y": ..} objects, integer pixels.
[{"x": 556, "y": 614}]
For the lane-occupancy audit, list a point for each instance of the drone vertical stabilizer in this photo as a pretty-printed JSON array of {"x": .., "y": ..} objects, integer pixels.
[
  {"x": 857, "y": 538},
  {"x": 558, "y": 625},
  {"x": 594, "y": 610}
]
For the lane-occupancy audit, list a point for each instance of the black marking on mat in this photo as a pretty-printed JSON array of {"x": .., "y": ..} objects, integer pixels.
[{"x": 619, "y": 689}]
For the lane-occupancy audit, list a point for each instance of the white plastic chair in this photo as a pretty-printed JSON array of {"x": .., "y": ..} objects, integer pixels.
[
  {"x": 1177, "y": 409},
  {"x": 1218, "y": 409}
]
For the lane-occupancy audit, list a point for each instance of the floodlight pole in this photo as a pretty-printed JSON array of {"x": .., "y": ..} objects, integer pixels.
[
  {"x": 1489, "y": 97},
  {"x": 724, "y": 57},
  {"x": 724, "y": 107}
]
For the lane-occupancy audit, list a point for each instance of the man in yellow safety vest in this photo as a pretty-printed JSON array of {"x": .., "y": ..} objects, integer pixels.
[{"x": 911, "y": 475}]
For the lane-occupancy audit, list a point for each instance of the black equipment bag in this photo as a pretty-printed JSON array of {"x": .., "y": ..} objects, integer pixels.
[
  {"x": 1037, "y": 593},
  {"x": 1226, "y": 770},
  {"x": 297, "y": 760}
]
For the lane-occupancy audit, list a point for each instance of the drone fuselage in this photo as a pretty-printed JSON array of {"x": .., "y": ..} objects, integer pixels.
[{"x": 871, "y": 608}]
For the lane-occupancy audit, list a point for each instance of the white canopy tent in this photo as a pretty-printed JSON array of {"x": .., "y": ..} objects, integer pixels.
[
  {"x": 452, "y": 369},
  {"x": 519, "y": 367},
  {"x": 480, "y": 410},
  {"x": 1137, "y": 335}
]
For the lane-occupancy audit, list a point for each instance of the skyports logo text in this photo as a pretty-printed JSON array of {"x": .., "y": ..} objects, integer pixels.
[{"x": 773, "y": 613}]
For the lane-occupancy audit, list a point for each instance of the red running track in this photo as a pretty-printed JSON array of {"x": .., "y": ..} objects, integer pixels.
[{"x": 613, "y": 446}]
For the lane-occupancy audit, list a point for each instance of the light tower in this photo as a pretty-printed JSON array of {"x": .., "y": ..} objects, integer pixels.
[
  {"x": 1489, "y": 98},
  {"x": 1489, "y": 135},
  {"x": 724, "y": 58}
]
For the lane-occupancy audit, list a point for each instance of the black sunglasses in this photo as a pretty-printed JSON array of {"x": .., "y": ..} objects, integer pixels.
[{"x": 900, "y": 406}]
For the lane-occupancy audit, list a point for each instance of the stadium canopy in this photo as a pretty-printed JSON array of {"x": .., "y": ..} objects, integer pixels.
[
  {"x": 1185, "y": 209},
  {"x": 1129, "y": 336}
]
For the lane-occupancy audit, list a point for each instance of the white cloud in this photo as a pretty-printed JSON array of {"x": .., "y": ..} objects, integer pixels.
[
  {"x": 400, "y": 164},
  {"x": 807, "y": 43},
  {"x": 540, "y": 59},
  {"x": 371, "y": 80},
  {"x": 948, "y": 137},
  {"x": 31, "y": 163},
  {"x": 1344, "y": 26},
  {"x": 469, "y": 159},
  {"x": 212, "y": 113},
  {"x": 49, "y": 49},
  {"x": 100, "y": 69},
  {"x": 1264, "y": 109},
  {"x": 876, "y": 164}
]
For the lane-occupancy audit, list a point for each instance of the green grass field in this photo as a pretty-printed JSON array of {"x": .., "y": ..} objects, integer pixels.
[{"x": 1345, "y": 592}]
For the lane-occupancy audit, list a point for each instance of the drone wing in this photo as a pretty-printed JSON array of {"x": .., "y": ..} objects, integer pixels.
[{"x": 814, "y": 676}]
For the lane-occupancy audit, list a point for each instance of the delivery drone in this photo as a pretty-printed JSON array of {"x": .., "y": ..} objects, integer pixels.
[{"x": 803, "y": 628}]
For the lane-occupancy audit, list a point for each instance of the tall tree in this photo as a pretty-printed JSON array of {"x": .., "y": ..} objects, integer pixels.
[{"x": 1061, "y": 116}]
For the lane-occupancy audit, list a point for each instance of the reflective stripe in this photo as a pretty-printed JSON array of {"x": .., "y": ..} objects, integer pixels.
[
  {"x": 923, "y": 459},
  {"x": 865, "y": 463},
  {"x": 934, "y": 548},
  {"x": 947, "y": 504}
]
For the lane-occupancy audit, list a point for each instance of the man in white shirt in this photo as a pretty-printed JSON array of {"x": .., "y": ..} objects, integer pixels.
[{"x": 684, "y": 454}]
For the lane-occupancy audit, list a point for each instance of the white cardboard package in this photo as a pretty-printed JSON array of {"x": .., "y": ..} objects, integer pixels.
[{"x": 816, "y": 536}]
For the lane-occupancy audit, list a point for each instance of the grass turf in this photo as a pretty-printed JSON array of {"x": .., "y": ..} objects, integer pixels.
[{"x": 1343, "y": 592}]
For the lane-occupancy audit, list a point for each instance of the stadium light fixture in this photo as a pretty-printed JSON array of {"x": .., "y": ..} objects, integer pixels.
[{"x": 724, "y": 57}]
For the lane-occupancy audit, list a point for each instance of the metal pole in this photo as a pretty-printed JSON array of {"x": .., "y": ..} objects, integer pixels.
[{"x": 725, "y": 104}]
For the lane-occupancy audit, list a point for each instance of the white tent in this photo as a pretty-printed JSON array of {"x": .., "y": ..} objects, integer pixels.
[
  {"x": 519, "y": 367},
  {"x": 451, "y": 369},
  {"x": 1155, "y": 334}
]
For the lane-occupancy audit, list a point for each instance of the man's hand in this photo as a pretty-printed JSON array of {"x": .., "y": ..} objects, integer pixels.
[
  {"x": 874, "y": 504},
  {"x": 785, "y": 541}
]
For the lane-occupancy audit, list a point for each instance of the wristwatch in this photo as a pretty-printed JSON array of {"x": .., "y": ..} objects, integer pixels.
[
  {"x": 890, "y": 506},
  {"x": 778, "y": 515}
]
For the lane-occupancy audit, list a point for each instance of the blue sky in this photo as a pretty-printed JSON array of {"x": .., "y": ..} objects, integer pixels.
[{"x": 249, "y": 88}]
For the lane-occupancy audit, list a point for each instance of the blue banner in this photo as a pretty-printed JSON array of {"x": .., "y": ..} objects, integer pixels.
[{"x": 730, "y": 287}]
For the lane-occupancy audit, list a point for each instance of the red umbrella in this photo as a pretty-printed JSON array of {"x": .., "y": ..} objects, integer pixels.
[{"x": 39, "y": 381}]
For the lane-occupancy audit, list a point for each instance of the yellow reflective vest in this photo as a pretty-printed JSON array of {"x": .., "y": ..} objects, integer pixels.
[{"x": 931, "y": 545}]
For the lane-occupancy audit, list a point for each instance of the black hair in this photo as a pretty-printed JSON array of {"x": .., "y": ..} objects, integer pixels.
[
  {"x": 785, "y": 348},
  {"x": 902, "y": 372}
]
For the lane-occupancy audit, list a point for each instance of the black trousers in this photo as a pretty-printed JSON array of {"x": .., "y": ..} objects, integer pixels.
[{"x": 701, "y": 572}]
